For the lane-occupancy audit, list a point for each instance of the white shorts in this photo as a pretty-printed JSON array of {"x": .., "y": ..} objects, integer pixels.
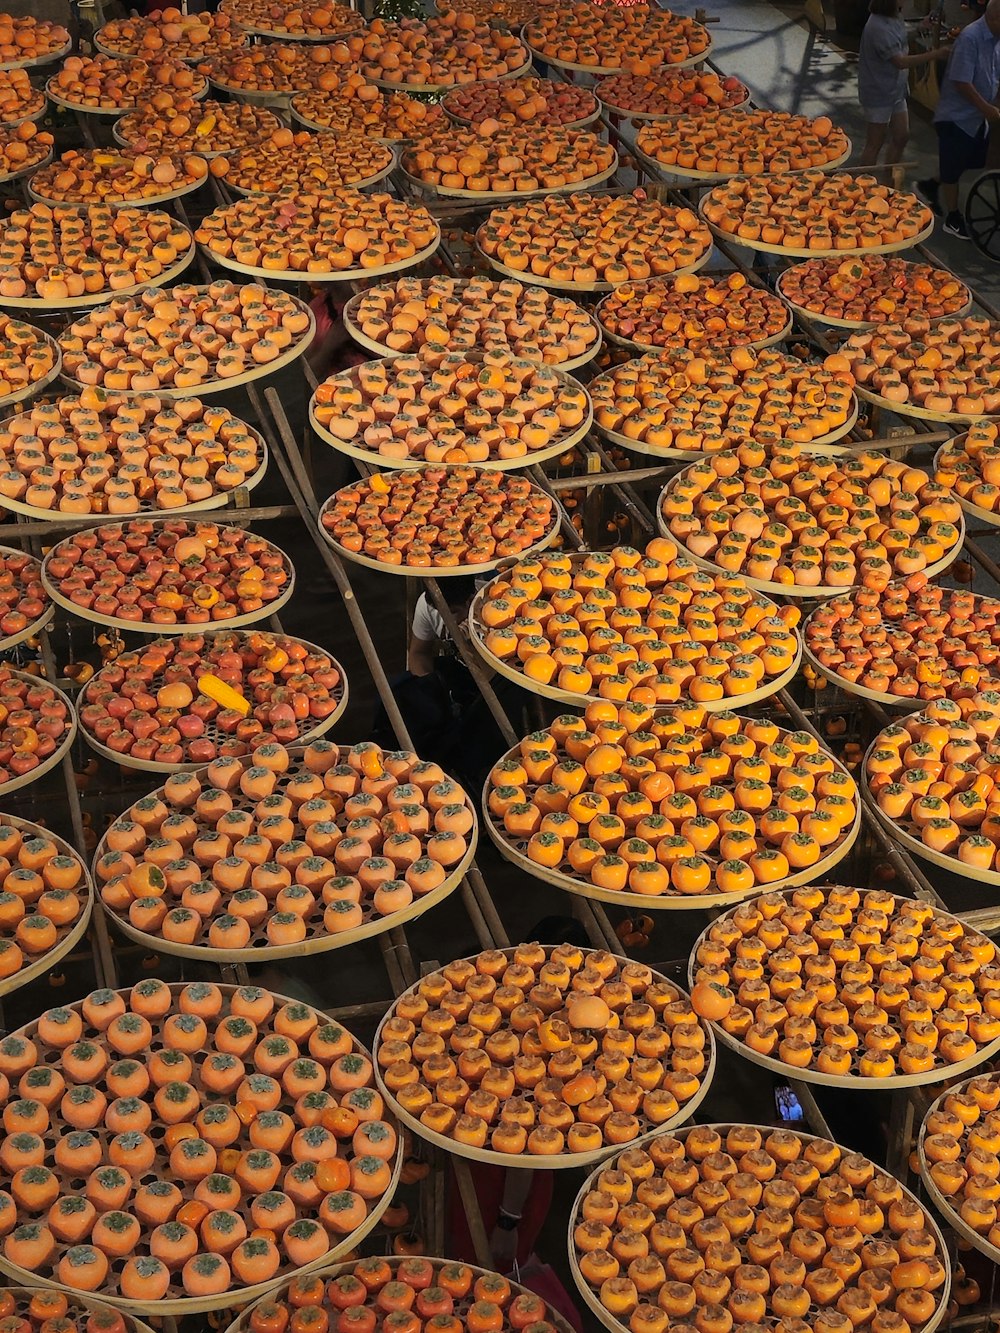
[{"x": 881, "y": 115}]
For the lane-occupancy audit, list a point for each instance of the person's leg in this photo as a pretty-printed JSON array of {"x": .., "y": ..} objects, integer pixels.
[
  {"x": 897, "y": 139},
  {"x": 875, "y": 137},
  {"x": 960, "y": 152}
]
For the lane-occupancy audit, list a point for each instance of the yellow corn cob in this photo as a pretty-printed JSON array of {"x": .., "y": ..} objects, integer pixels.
[{"x": 224, "y": 695}]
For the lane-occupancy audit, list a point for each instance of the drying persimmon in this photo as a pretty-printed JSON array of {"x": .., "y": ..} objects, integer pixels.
[
  {"x": 702, "y": 400},
  {"x": 813, "y": 210},
  {"x": 725, "y": 143},
  {"x": 913, "y": 640},
  {"x": 615, "y": 39},
  {"x": 950, "y": 367},
  {"x": 168, "y": 123},
  {"x": 167, "y": 32},
  {"x": 800, "y": 521},
  {"x": 586, "y": 239},
  {"x": 631, "y": 625},
  {"x": 439, "y": 52},
  {"x": 434, "y": 316},
  {"x": 870, "y": 289},
  {"x": 500, "y": 159},
  {"x": 93, "y": 176},
  {"x": 525, "y": 101},
  {"x": 692, "y": 311},
  {"x": 670, "y": 92}
]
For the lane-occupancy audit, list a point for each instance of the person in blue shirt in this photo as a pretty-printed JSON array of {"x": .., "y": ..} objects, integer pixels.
[
  {"x": 883, "y": 61},
  {"x": 966, "y": 109}
]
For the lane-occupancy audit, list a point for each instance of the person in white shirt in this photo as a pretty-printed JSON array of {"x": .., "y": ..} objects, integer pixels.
[{"x": 444, "y": 712}]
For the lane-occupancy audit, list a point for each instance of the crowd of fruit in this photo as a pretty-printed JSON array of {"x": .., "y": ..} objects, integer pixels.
[{"x": 561, "y": 238}]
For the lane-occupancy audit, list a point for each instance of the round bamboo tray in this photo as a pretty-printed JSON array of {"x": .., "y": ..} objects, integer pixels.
[
  {"x": 147, "y": 627},
  {"x": 80, "y": 1306},
  {"x": 35, "y": 115},
  {"x": 859, "y": 691},
  {"x": 197, "y": 94},
  {"x": 210, "y": 52},
  {"x": 318, "y": 940},
  {"x": 29, "y": 631},
  {"x": 26, "y": 171},
  {"x": 242, "y": 1324},
  {"x": 986, "y": 516},
  {"x": 909, "y": 703},
  {"x": 151, "y": 201},
  {"x": 128, "y": 144},
  {"x": 213, "y": 386},
  {"x": 68, "y": 936},
  {"x": 581, "y": 701},
  {"x": 566, "y": 440},
  {"x": 29, "y": 390},
  {"x": 217, "y": 501},
  {"x": 41, "y": 303},
  {"x": 183, "y": 1306},
  {"x": 477, "y": 636},
  {"x": 283, "y": 35},
  {"x": 796, "y": 252},
  {"x": 388, "y": 86},
  {"x": 658, "y": 168},
  {"x": 640, "y": 349},
  {"x": 306, "y": 124},
  {"x": 543, "y": 1161},
  {"x": 305, "y": 737},
  {"x": 613, "y": 110},
  {"x": 615, "y": 1325},
  {"x": 598, "y": 70},
  {"x": 69, "y": 735},
  {"x": 855, "y": 325},
  {"x": 500, "y": 197},
  {"x": 673, "y": 901},
  {"x": 921, "y": 413},
  {"x": 853, "y": 1081},
  {"x": 899, "y": 832},
  {"x": 428, "y": 571},
  {"x": 34, "y": 62},
  {"x": 800, "y": 591},
  {"x": 342, "y": 275},
  {"x": 941, "y": 1201},
  {"x": 364, "y": 184},
  {"x": 537, "y": 280},
  {"x": 382, "y": 351},
  {"x": 280, "y": 101},
  {"x": 822, "y": 443},
  {"x": 580, "y": 124}
]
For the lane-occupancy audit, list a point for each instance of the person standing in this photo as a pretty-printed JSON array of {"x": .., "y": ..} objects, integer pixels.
[
  {"x": 883, "y": 61},
  {"x": 966, "y": 110}
]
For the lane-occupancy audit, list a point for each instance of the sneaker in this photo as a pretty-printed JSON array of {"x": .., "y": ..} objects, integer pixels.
[
  {"x": 954, "y": 225},
  {"x": 929, "y": 190}
]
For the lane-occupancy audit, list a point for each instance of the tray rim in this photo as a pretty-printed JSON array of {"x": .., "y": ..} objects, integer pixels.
[
  {"x": 429, "y": 571},
  {"x": 614, "y": 1325},
  {"x": 162, "y": 631},
  {"x": 852, "y": 1081},
  {"x": 225, "y": 1300},
  {"x": 545, "y": 1161}
]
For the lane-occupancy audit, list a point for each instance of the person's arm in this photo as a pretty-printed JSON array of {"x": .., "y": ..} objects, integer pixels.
[
  {"x": 420, "y": 655},
  {"x": 919, "y": 57},
  {"x": 988, "y": 110},
  {"x": 504, "y": 1241},
  {"x": 425, "y": 636}
]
